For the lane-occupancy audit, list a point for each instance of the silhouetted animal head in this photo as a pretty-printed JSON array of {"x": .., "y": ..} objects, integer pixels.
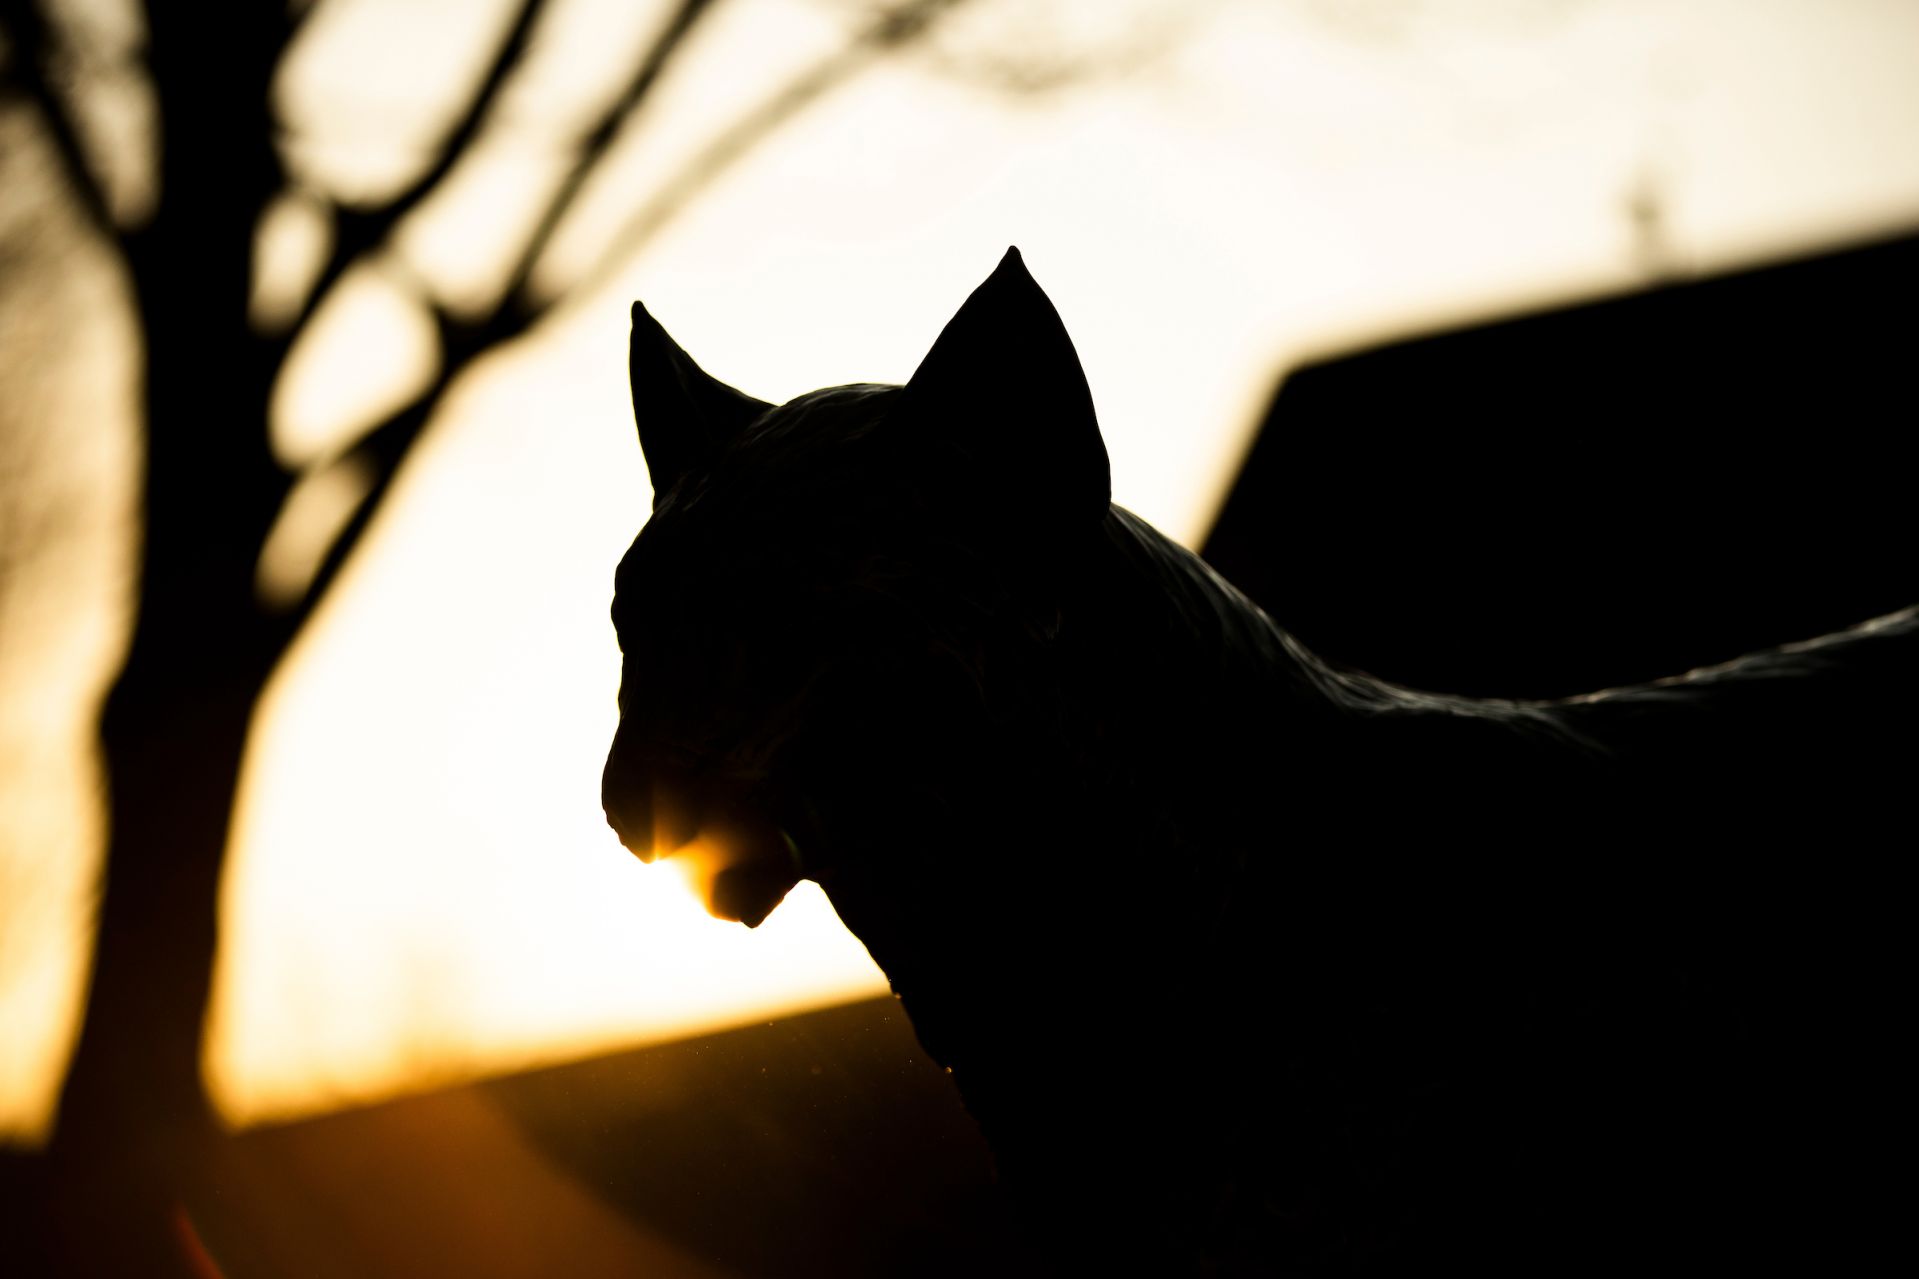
[{"x": 835, "y": 621}]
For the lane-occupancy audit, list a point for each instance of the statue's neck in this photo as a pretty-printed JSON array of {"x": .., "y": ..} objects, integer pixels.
[{"x": 1183, "y": 634}]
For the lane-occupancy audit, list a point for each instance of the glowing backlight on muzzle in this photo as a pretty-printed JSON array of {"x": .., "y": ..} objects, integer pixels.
[{"x": 731, "y": 880}]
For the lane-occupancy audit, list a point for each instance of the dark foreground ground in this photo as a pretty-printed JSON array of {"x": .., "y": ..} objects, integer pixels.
[{"x": 823, "y": 1144}]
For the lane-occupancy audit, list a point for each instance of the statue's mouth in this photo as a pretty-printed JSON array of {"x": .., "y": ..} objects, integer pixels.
[
  {"x": 738, "y": 858},
  {"x": 736, "y": 881}
]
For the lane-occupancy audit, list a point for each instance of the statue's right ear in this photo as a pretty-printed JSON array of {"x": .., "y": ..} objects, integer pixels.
[{"x": 685, "y": 417}]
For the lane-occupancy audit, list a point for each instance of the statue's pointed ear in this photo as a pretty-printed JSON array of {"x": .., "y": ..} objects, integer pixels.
[
  {"x": 1002, "y": 397},
  {"x": 685, "y": 417}
]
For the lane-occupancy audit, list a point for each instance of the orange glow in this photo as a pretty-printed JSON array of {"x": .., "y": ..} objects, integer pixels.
[
  {"x": 698, "y": 865},
  {"x": 731, "y": 884}
]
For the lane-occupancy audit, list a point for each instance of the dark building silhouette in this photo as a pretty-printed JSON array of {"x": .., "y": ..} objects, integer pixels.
[{"x": 1596, "y": 495}]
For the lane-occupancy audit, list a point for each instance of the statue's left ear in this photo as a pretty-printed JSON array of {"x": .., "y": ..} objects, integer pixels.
[
  {"x": 1002, "y": 400},
  {"x": 686, "y": 416}
]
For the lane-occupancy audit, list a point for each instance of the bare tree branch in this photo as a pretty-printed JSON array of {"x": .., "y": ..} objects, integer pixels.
[
  {"x": 593, "y": 147},
  {"x": 892, "y": 30},
  {"x": 297, "y": 13},
  {"x": 359, "y": 230},
  {"x": 26, "y": 30},
  {"x": 384, "y": 448}
]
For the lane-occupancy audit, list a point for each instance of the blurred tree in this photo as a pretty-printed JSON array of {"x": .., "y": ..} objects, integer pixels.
[{"x": 176, "y": 149}]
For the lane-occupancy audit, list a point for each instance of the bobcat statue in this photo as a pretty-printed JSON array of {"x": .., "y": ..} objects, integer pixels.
[{"x": 1243, "y": 962}]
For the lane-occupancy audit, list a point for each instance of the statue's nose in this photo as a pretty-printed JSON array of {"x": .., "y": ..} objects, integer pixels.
[{"x": 650, "y": 806}]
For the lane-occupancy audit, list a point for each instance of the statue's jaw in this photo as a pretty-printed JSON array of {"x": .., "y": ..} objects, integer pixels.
[
  {"x": 740, "y": 871},
  {"x": 712, "y": 826},
  {"x": 749, "y": 893}
]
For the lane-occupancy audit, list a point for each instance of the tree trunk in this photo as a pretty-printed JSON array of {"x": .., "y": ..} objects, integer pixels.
[
  {"x": 134, "y": 1119},
  {"x": 131, "y": 1145}
]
